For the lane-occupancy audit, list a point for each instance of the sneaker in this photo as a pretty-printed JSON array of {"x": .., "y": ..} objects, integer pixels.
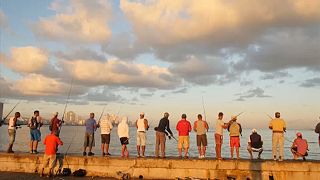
[
  {"x": 274, "y": 158},
  {"x": 90, "y": 154},
  {"x": 108, "y": 154},
  {"x": 31, "y": 151},
  {"x": 200, "y": 157},
  {"x": 280, "y": 158},
  {"x": 35, "y": 152},
  {"x": 84, "y": 153},
  {"x": 304, "y": 158},
  {"x": 103, "y": 154},
  {"x": 186, "y": 157}
]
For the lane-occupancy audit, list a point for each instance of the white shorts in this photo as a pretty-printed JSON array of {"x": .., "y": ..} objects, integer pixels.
[{"x": 141, "y": 138}]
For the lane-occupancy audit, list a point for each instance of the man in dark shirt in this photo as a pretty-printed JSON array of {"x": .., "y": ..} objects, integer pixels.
[
  {"x": 55, "y": 124},
  {"x": 255, "y": 144},
  {"x": 161, "y": 131}
]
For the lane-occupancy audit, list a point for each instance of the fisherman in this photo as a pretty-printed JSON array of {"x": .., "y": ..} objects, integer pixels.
[
  {"x": 89, "y": 142},
  {"x": 299, "y": 147},
  {"x": 201, "y": 127},
  {"x": 12, "y": 126},
  {"x": 49, "y": 158},
  {"x": 218, "y": 135},
  {"x": 106, "y": 127},
  {"x": 317, "y": 130},
  {"x": 184, "y": 128},
  {"x": 235, "y": 131},
  {"x": 123, "y": 133},
  {"x": 34, "y": 124},
  {"x": 255, "y": 144},
  {"x": 142, "y": 127},
  {"x": 161, "y": 131},
  {"x": 55, "y": 124},
  {"x": 278, "y": 127}
]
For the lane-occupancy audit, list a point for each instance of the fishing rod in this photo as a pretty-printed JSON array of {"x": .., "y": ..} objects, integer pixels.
[
  {"x": 101, "y": 115},
  {"x": 66, "y": 105},
  {"x": 204, "y": 110},
  {"x": 10, "y": 112}
]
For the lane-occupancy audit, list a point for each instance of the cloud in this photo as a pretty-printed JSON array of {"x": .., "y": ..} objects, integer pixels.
[
  {"x": 274, "y": 75},
  {"x": 26, "y": 59},
  {"x": 35, "y": 84},
  {"x": 257, "y": 92},
  {"x": 82, "y": 21},
  {"x": 182, "y": 90},
  {"x": 282, "y": 49},
  {"x": 120, "y": 73},
  {"x": 215, "y": 22},
  {"x": 199, "y": 70},
  {"x": 80, "y": 53},
  {"x": 313, "y": 82},
  {"x": 102, "y": 94}
]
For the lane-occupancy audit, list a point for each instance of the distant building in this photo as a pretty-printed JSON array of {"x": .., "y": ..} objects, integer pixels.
[{"x": 70, "y": 117}]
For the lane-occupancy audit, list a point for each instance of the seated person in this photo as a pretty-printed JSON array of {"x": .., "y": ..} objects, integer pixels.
[
  {"x": 299, "y": 147},
  {"x": 255, "y": 144}
]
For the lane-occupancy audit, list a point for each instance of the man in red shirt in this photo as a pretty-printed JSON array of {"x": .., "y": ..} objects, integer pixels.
[
  {"x": 299, "y": 147},
  {"x": 51, "y": 142},
  {"x": 183, "y": 127}
]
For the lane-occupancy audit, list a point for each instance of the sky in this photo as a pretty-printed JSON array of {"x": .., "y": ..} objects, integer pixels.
[{"x": 191, "y": 56}]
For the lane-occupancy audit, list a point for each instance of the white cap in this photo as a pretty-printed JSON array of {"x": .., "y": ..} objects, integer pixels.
[{"x": 254, "y": 130}]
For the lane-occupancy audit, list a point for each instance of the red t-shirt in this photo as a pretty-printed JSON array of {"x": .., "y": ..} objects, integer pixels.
[
  {"x": 51, "y": 141},
  {"x": 183, "y": 127}
]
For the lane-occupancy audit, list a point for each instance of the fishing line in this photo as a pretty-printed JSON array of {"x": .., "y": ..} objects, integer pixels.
[{"x": 67, "y": 101}]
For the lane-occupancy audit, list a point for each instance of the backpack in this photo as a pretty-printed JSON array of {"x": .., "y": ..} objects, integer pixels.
[
  {"x": 34, "y": 123},
  {"x": 80, "y": 173},
  {"x": 234, "y": 129}
]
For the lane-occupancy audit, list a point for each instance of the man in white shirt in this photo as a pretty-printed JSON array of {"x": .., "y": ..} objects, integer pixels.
[
  {"x": 142, "y": 127},
  {"x": 106, "y": 127},
  {"x": 12, "y": 130},
  {"x": 218, "y": 135}
]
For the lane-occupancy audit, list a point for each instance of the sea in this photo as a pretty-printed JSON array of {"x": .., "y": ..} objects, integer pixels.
[{"x": 73, "y": 137}]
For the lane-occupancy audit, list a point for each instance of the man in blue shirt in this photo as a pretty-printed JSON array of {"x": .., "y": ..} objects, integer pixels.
[{"x": 91, "y": 126}]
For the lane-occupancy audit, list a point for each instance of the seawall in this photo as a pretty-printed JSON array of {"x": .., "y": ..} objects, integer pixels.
[{"x": 170, "y": 168}]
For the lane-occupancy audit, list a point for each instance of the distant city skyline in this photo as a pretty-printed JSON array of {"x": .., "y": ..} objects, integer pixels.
[{"x": 134, "y": 56}]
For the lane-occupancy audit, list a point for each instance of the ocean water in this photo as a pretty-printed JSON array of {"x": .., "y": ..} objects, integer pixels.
[{"x": 72, "y": 136}]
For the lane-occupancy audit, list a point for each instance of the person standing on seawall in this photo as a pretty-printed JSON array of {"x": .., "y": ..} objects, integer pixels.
[
  {"x": 12, "y": 131},
  {"x": 34, "y": 124},
  {"x": 278, "y": 127},
  {"x": 184, "y": 128},
  {"x": 162, "y": 130},
  {"x": 142, "y": 127},
  {"x": 218, "y": 135}
]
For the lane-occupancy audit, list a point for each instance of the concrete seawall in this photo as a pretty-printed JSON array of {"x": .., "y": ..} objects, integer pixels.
[{"x": 151, "y": 168}]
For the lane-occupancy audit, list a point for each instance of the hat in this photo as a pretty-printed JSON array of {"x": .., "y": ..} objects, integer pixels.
[
  {"x": 142, "y": 113},
  {"x": 55, "y": 114},
  {"x": 234, "y": 117},
  {"x": 299, "y": 134},
  {"x": 254, "y": 130}
]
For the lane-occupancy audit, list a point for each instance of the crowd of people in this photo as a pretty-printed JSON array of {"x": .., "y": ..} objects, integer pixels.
[{"x": 277, "y": 125}]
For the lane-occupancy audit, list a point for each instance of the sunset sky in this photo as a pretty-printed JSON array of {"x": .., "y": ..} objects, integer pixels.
[{"x": 156, "y": 56}]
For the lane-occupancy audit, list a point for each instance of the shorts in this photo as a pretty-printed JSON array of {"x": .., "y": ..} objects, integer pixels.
[
  {"x": 234, "y": 141},
  {"x": 12, "y": 135},
  {"x": 124, "y": 140},
  {"x": 89, "y": 140},
  {"x": 35, "y": 135},
  {"x": 141, "y": 138},
  {"x": 105, "y": 138},
  {"x": 254, "y": 149},
  {"x": 183, "y": 141},
  {"x": 218, "y": 138},
  {"x": 202, "y": 140},
  {"x": 48, "y": 160}
]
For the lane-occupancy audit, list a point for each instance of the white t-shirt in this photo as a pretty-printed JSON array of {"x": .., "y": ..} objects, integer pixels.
[
  {"x": 141, "y": 127},
  {"x": 105, "y": 126},
  {"x": 219, "y": 126}
]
